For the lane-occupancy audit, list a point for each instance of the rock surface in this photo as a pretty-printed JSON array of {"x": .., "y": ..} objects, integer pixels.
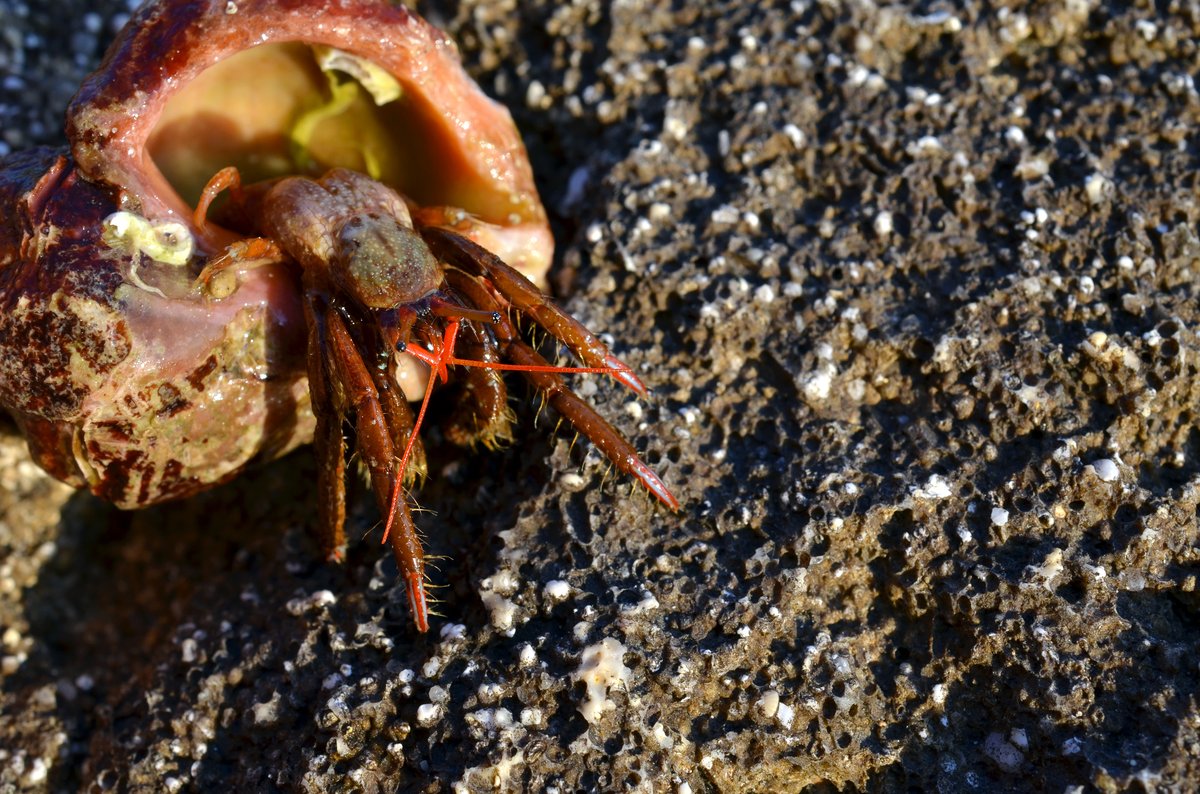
[{"x": 915, "y": 288}]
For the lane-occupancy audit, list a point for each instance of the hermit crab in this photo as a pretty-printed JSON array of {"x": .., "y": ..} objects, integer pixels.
[{"x": 274, "y": 217}]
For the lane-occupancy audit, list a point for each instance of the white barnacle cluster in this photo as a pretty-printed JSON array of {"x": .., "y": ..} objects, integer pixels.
[
  {"x": 168, "y": 242},
  {"x": 600, "y": 669}
]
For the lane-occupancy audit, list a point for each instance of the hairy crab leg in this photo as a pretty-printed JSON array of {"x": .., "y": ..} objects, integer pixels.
[
  {"x": 483, "y": 416},
  {"x": 585, "y": 419},
  {"x": 327, "y": 439},
  {"x": 398, "y": 415},
  {"x": 353, "y": 389},
  {"x": 437, "y": 367},
  {"x": 545, "y": 378},
  {"x": 476, "y": 260}
]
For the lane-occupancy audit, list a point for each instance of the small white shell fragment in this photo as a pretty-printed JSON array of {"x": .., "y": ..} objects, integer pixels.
[
  {"x": 266, "y": 713},
  {"x": 999, "y": 516},
  {"x": 453, "y": 631},
  {"x": 37, "y": 771},
  {"x": 502, "y": 610},
  {"x": 676, "y": 127},
  {"x": 535, "y": 94},
  {"x": 883, "y": 223},
  {"x": 1105, "y": 470},
  {"x": 660, "y": 211},
  {"x": 557, "y": 590},
  {"x": 428, "y": 714},
  {"x": 660, "y": 736},
  {"x": 768, "y": 703},
  {"x": 634, "y": 409},
  {"x": 936, "y": 488},
  {"x": 600, "y": 668},
  {"x": 1032, "y": 168},
  {"x": 1097, "y": 187},
  {"x": 725, "y": 215},
  {"x": 1050, "y": 568},
  {"x": 316, "y": 600},
  {"x": 817, "y": 384},
  {"x": 1004, "y": 754},
  {"x": 572, "y": 481}
]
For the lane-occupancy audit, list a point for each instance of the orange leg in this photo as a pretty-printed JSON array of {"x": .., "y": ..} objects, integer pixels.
[
  {"x": 344, "y": 386},
  {"x": 519, "y": 291},
  {"x": 481, "y": 414},
  {"x": 227, "y": 178},
  {"x": 545, "y": 379},
  {"x": 248, "y": 253}
]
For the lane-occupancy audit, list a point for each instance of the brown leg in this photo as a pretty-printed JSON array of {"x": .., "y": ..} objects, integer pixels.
[
  {"x": 482, "y": 415},
  {"x": 585, "y": 419},
  {"x": 328, "y": 441},
  {"x": 354, "y": 389},
  {"x": 451, "y": 247},
  {"x": 397, "y": 413},
  {"x": 606, "y": 437}
]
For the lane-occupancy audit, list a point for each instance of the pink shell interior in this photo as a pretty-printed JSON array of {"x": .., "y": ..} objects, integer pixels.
[
  {"x": 222, "y": 75},
  {"x": 191, "y": 86}
]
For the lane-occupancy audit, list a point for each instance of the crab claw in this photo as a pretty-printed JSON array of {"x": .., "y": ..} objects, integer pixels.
[
  {"x": 416, "y": 600},
  {"x": 622, "y": 373}
]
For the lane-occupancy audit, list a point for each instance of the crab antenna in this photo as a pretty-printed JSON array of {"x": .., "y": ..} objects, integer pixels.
[
  {"x": 443, "y": 308},
  {"x": 444, "y": 356},
  {"x": 466, "y": 362},
  {"x": 438, "y": 366}
]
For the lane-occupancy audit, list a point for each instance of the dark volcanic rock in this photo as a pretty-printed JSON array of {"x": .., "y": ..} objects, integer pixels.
[{"x": 915, "y": 288}]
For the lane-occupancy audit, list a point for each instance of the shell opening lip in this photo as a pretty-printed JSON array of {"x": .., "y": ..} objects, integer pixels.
[
  {"x": 297, "y": 88},
  {"x": 274, "y": 111}
]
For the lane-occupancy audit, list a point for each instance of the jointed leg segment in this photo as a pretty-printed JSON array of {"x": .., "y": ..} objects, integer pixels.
[
  {"x": 341, "y": 385},
  {"x": 463, "y": 301},
  {"x": 540, "y": 373},
  {"x": 522, "y": 294}
]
